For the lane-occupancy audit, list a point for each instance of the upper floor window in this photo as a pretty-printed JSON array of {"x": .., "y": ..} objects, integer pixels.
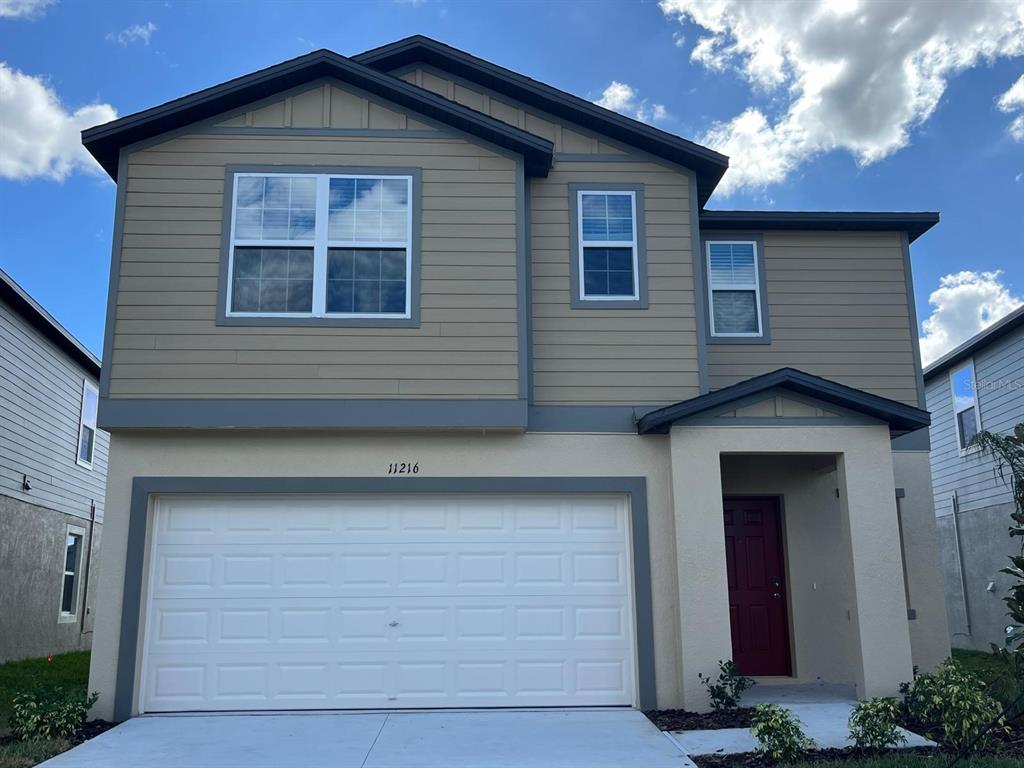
[
  {"x": 734, "y": 289},
  {"x": 320, "y": 246},
  {"x": 87, "y": 425},
  {"x": 965, "y": 403},
  {"x": 608, "y": 268}
]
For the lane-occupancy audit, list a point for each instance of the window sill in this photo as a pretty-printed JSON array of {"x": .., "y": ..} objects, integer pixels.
[
  {"x": 762, "y": 339},
  {"x": 580, "y": 303},
  {"x": 67, "y": 618},
  {"x": 322, "y": 322}
]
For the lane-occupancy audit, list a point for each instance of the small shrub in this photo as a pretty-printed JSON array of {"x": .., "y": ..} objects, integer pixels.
[
  {"x": 873, "y": 724},
  {"x": 953, "y": 700},
  {"x": 49, "y": 712},
  {"x": 726, "y": 691},
  {"x": 779, "y": 734}
]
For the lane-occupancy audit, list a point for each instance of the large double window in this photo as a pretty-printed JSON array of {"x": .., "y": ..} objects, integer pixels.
[{"x": 320, "y": 246}]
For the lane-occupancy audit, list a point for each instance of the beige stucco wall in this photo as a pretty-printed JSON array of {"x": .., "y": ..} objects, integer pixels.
[
  {"x": 252, "y": 454},
  {"x": 687, "y": 566},
  {"x": 929, "y": 633}
]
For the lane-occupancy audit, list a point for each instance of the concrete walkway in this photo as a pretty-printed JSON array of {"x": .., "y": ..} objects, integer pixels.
[
  {"x": 824, "y": 711},
  {"x": 502, "y": 739}
]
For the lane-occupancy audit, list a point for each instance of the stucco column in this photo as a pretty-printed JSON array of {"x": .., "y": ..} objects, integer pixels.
[
  {"x": 704, "y": 632},
  {"x": 868, "y": 502}
]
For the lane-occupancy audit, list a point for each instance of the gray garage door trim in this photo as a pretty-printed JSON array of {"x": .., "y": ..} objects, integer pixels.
[{"x": 145, "y": 487}]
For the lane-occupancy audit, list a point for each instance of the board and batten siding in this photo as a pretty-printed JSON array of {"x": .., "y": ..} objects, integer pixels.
[
  {"x": 614, "y": 356},
  {"x": 166, "y": 341},
  {"x": 837, "y": 308},
  {"x": 999, "y": 372},
  {"x": 566, "y": 136},
  {"x": 40, "y": 411}
]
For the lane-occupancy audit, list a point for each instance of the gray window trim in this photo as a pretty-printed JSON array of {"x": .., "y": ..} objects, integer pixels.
[
  {"x": 576, "y": 301},
  {"x": 413, "y": 321},
  {"x": 762, "y": 292},
  {"x": 143, "y": 488}
]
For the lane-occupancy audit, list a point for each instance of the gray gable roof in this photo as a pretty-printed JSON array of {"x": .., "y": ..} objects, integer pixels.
[
  {"x": 709, "y": 165},
  {"x": 34, "y": 314},
  {"x": 105, "y": 141},
  {"x": 900, "y": 417},
  {"x": 997, "y": 330}
]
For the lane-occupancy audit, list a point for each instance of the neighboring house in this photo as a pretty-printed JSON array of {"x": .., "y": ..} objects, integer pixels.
[
  {"x": 979, "y": 385},
  {"x": 53, "y": 478},
  {"x": 430, "y": 385}
]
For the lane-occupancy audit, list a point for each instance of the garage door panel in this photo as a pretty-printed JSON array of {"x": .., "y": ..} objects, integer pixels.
[
  {"x": 321, "y": 519},
  {"x": 335, "y": 602},
  {"x": 409, "y": 679},
  {"x": 337, "y": 570},
  {"x": 308, "y": 624}
]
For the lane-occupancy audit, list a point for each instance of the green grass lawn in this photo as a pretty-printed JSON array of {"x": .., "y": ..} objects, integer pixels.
[
  {"x": 994, "y": 672},
  {"x": 69, "y": 669}
]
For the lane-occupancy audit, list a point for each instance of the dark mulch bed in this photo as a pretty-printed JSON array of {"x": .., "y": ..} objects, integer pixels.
[
  {"x": 89, "y": 730},
  {"x": 683, "y": 720},
  {"x": 1002, "y": 743},
  {"x": 754, "y": 760}
]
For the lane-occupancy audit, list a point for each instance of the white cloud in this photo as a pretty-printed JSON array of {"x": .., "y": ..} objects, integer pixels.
[
  {"x": 843, "y": 74},
  {"x": 963, "y": 304},
  {"x": 623, "y": 98},
  {"x": 1013, "y": 101},
  {"x": 23, "y": 9},
  {"x": 40, "y": 138},
  {"x": 136, "y": 33}
]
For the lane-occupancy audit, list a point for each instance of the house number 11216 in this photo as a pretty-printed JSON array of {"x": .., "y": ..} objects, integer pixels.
[{"x": 404, "y": 468}]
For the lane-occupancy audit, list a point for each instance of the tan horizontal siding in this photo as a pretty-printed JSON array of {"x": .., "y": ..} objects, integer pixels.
[
  {"x": 608, "y": 356},
  {"x": 166, "y": 341},
  {"x": 837, "y": 304}
]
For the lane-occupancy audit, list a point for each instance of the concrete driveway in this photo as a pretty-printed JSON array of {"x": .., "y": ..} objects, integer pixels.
[{"x": 503, "y": 739}]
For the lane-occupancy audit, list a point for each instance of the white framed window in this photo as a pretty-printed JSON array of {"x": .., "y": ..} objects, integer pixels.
[
  {"x": 966, "y": 415},
  {"x": 71, "y": 575},
  {"x": 734, "y": 293},
  {"x": 608, "y": 268},
  {"x": 320, "y": 246},
  {"x": 87, "y": 425}
]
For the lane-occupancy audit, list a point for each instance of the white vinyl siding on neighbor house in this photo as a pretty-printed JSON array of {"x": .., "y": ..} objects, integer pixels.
[
  {"x": 320, "y": 245},
  {"x": 999, "y": 401},
  {"x": 734, "y": 295},
  {"x": 607, "y": 231},
  {"x": 332, "y": 602}
]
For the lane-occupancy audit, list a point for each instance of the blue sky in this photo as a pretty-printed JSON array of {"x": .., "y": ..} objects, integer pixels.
[{"x": 843, "y": 145}]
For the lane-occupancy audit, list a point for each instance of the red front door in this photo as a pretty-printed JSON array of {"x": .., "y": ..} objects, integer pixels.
[{"x": 757, "y": 586}]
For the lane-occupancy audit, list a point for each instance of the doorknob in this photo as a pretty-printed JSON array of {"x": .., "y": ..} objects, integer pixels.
[
  {"x": 393, "y": 624},
  {"x": 776, "y": 582}
]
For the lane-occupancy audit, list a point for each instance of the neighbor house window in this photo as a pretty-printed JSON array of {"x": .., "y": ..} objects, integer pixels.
[
  {"x": 965, "y": 403},
  {"x": 87, "y": 425},
  {"x": 320, "y": 246},
  {"x": 608, "y": 255},
  {"x": 733, "y": 288},
  {"x": 70, "y": 578}
]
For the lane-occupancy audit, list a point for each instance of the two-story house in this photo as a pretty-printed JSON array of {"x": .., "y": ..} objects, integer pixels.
[
  {"x": 979, "y": 385},
  {"x": 53, "y": 471},
  {"x": 431, "y": 385}
]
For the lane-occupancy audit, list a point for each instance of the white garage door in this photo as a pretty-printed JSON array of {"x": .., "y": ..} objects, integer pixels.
[{"x": 317, "y": 602}]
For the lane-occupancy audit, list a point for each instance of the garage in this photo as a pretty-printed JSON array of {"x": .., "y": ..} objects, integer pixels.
[{"x": 281, "y": 602}]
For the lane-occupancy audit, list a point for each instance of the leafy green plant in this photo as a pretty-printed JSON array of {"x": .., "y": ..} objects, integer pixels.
[
  {"x": 725, "y": 692},
  {"x": 779, "y": 733},
  {"x": 953, "y": 700},
  {"x": 873, "y": 724},
  {"x": 49, "y": 712}
]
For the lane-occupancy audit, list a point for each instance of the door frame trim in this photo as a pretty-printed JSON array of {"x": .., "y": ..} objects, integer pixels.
[
  {"x": 126, "y": 695},
  {"x": 780, "y": 506}
]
